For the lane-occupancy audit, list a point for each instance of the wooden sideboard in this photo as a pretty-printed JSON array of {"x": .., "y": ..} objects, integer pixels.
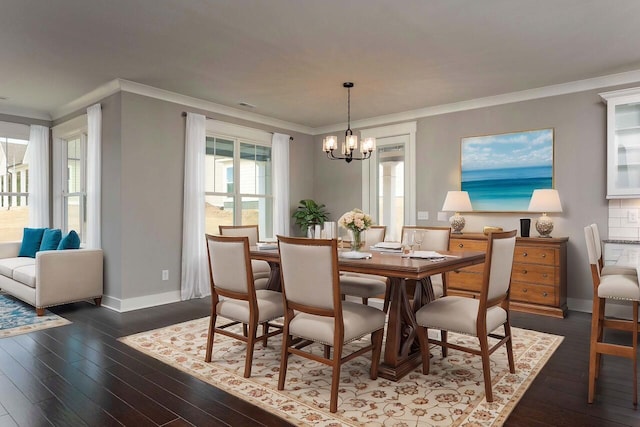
[{"x": 538, "y": 278}]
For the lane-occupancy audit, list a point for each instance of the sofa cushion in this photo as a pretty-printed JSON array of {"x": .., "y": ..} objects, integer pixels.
[
  {"x": 7, "y": 265},
  {"x": 70, "y": 241},
  {"x": 26, "y": 275},
  {"x": 51, "y": 239},
  {"x": 31, "y": 239}
]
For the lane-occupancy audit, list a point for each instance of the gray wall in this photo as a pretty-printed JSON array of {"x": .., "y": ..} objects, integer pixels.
[
  {"x": 151, "y": 170},
  {"x": 579, "y": 121}
]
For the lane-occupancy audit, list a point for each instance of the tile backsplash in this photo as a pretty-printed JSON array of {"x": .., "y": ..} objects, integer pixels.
[{"x": 624, "y": 219}]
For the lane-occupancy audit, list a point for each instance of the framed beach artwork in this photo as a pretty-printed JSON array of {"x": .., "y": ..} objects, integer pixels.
[{"x": 501, "y": 171}]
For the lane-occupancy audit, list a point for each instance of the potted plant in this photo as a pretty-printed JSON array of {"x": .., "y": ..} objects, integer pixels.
[{"x": 308, "y": 214}]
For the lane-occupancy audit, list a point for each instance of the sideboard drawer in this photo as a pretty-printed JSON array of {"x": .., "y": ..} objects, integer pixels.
[
  {"x": 535, "y": 255},
  {"x": 462, "y": 279},
  {"x": 531, "y": 293},
  {"x": 539, "y": 274},
  {"x": 467, "y": 245}
]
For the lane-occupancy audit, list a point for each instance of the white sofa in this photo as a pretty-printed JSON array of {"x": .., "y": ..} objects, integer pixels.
[{"x": 52, "y": 277}]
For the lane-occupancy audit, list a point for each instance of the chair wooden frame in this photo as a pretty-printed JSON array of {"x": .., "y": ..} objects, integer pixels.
[
  {"x": 365, "y": 300},
  {"x": 250, "y": 329},
  {"x": 291, "y": 346},
  {"x": 599, "y": 323},
  {"x": 481, "y": 322},
  {"x": 222, "y": 228}
]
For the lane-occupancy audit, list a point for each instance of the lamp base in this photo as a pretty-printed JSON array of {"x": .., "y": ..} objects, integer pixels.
[
  {"x": 544, "y": 225},
  {"x": 457, "y": 223}
]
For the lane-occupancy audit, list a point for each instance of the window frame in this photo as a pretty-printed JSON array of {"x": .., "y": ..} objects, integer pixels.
[
  {"x": 239, "y": 135},
  {"x": 76, "y": 128}
]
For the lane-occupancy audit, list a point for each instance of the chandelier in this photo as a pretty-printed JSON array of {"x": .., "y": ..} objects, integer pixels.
[{"x": 350, "y": 144}]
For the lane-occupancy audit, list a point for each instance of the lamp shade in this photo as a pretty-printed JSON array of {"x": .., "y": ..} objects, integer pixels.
[
  {"x": 545, "y": 201},
  {"x": 457, "y": 201}
]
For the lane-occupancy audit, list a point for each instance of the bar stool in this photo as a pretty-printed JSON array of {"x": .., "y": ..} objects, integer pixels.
[{"x": 618, "y": 287}]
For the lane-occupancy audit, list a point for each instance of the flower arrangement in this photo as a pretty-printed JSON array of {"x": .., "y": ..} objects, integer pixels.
[{"x": 356, "y": 220}]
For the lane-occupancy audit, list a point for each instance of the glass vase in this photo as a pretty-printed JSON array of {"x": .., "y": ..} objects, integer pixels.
[{"x": 357, "y": 239}]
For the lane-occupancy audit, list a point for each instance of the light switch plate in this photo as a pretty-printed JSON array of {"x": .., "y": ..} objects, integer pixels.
[
  {"x": 423, "y": 215},
  {"x": 632, "y": 215}
]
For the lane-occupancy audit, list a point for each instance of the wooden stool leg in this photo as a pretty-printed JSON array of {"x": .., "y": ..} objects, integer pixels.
[
  {"x": 595, "y": 327},
  {"x": 634, "y": 359}
]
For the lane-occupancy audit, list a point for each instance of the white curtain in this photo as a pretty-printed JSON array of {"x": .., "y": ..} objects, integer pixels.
[
  {"x": 281, "y": 214},
  {"x": 195, "y": 277},
  {"x": 37, "y": 156},
  {"x": 94, "y": 174}
]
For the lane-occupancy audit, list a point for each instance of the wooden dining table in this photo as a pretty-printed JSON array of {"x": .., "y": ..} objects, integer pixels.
[{"x": 401, "y": 352}]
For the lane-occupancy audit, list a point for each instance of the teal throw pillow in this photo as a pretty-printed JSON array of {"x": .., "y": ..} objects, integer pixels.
[
  {"x": 51, "y": 239},
  {"x": 70, "y": 241},
  {"x": 31, "y": 238}
]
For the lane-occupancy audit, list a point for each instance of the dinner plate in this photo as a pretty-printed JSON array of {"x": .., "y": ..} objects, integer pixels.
[{"x": 355, "y": 255}]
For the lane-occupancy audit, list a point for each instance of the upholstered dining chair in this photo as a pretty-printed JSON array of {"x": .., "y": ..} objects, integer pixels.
[
  {"x": 261, "y": 269},
  {"x": 231, "y": 278},
  {"x": 433, "y": 239},
  {"x": 363, "y": 285},
  {"x": 476, "y": 317},
  {"x": 617, "y": 287},
  {"x": 315, "y": 312}
]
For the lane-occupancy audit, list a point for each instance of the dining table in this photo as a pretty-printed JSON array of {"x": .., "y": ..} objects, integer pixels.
[{"x": 401, "y": 349}]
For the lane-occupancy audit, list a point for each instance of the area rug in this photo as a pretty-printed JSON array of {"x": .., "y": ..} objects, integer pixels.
[
  {"x": 451, "y": 395},
  {"x": 17, "y": 318}
]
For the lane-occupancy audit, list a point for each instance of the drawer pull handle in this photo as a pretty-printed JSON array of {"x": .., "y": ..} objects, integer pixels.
[
  {"x": 544, "y": 255},
  {"x": 460, "y": 245},
  {"x": 524, "y": 254},
  {"x": 545, "y": 275},
  {"x": 524, "y": 271},
  {"x": 544, "y": 294},
  {"x": 524, "y": 291}
]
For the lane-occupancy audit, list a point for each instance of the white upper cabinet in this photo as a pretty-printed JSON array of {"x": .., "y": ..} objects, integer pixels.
[{"x": 623, "y": 143}]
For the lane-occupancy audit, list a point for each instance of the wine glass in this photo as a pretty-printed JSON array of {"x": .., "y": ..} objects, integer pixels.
[
  {"x": 408, "y": 242},
  {"x": 418, "y": 237}
]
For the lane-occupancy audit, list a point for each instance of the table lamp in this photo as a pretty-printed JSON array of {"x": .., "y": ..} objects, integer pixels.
[
  {"x": 545, "y": 201},
  {"x": 457, "y": 201}
]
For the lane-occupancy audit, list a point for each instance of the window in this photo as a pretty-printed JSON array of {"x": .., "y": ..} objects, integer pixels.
[
  {"x": 14, "y": 196},
  {"x": 238, "y": 179},
  {"x": 70, "y": 176},
  {"x": 388, "y": 178}
]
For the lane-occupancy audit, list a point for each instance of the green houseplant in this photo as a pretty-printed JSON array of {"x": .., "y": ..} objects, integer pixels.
[{"x": 309, "y": 213}]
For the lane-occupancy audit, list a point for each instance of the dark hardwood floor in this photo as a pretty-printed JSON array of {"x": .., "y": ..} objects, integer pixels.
[{"x": 80, "y": 374}]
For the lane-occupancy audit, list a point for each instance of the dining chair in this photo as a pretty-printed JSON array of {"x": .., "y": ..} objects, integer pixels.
[
  {"x": 315, "y": 312},
  {"x": 433, "y": 239},
  {"x": 261, "y": 269},
  {"x": 231, "y": 278},
  {"x": 364, "y": 285},
  {"x": 606, "y": 287},
  {"x": 606, "y": 270},
  {"x": 476, "y": 317}
]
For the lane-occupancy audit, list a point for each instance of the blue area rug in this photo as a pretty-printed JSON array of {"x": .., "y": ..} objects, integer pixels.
[{"x": 16, "y": 317}]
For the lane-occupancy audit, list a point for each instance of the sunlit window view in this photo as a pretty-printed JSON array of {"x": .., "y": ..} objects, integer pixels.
[
  {"x": 238, "y": 185},
  {"x": 391, "y": 189},
  {"x": 14, "y": 188},
  {"x": 75, "y": 195}
]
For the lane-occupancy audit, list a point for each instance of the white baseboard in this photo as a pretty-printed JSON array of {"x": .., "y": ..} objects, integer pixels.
[{"x": 136, "y": 303}]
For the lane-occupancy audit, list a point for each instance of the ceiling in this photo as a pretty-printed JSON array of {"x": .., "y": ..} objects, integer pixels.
[{"x": 289, "y": 58}]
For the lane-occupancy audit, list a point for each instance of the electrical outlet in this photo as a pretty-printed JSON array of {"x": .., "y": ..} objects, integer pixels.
[
  {"x": 632, "y": 215},
  {"x": 423, "y": 215},
  {"x": 165, "y": 274}
]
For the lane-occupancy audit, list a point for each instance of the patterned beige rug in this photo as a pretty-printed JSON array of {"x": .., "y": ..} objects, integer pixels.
[{"x": 451, "y": 395}]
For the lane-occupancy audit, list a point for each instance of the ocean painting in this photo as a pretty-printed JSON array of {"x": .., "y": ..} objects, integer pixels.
[{"x": 500, "y": 172}]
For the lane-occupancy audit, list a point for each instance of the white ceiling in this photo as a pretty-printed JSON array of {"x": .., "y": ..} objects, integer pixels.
[{"x": 290, "y": 57}]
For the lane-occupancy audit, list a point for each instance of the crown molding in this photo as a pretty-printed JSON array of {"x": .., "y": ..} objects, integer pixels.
[
  {"x": 117, "y": 85},
  {"x": 490, "y": 101},
  {"x": 24, "y": 112},
  {"x": 188, "y": 101}
]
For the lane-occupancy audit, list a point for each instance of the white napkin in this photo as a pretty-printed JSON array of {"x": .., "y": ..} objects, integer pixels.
[
  {"x": 426, "y": 255},
  {"x": 267, "y": 245},
  {"x": 355, "y": 255},
  {"x": 388, "y": 245}
]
